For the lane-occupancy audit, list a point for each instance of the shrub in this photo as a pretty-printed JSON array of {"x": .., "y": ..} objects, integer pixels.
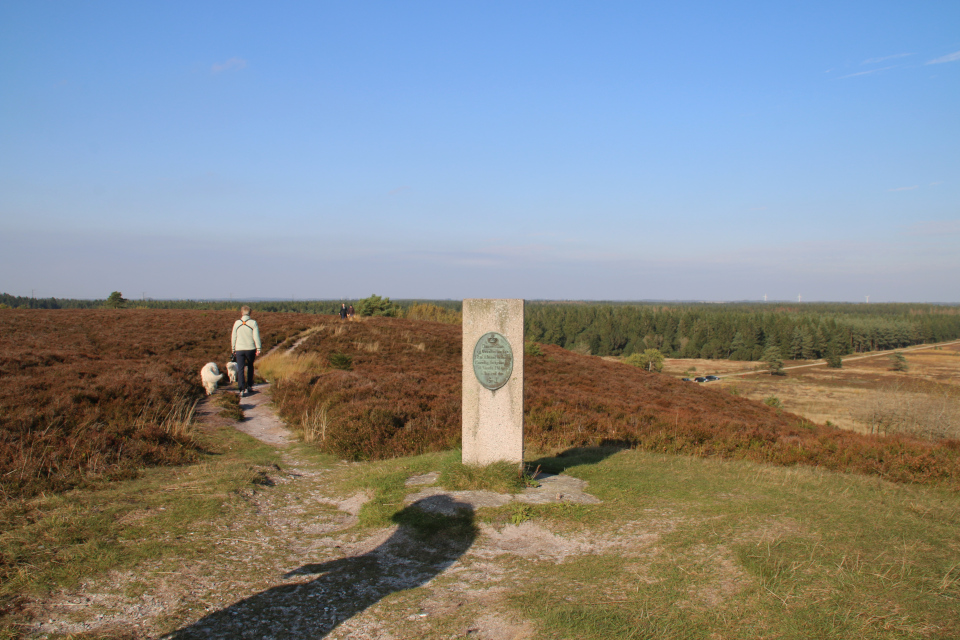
[
  {"x": 116, "y": 300},
  {"x": 650, "y": 360},
  {"x": 402, "y": 401},
  {"x": 771, "y": 356},
  {"x": 898, "y": 362},
  {"x": 379, "y": 307},
  {"x": 531, "y": 348},
  {"x": 773, "y": 401},
  {"x": 341, "y": 361}
]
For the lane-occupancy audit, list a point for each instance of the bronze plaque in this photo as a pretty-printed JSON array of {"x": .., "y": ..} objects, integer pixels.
[{"x": 493, "y": 360}]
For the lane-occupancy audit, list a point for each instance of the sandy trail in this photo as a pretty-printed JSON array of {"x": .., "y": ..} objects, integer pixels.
[{"x": 260, "y": 420}]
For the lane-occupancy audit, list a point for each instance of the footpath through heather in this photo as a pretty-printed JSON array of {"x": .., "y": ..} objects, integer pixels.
[{"x": 291, "y": 562}]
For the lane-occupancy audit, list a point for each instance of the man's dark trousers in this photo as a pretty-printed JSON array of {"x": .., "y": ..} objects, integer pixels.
[{"x": 245, "y": 365}]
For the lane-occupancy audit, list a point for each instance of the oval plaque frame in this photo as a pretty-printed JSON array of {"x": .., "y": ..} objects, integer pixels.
[{"x": 493, "y": 360}]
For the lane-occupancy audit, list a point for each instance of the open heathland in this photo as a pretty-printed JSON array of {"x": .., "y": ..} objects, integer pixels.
[
  {"x": 243, "y": 538},
  {"x": 101, "y": 393},
  {"x": 867, "y": 394},
  {"x": 388, "y": 387}
]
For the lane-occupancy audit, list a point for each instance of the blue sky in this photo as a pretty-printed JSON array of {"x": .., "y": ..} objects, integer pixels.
[{"x": 572, "y": 150}]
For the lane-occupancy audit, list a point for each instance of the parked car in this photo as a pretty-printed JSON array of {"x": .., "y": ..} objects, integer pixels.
[
  {"x": 699, "y": 379},
  {"x": 686, "y": 379},
  {"x": 711, "y": 378}
]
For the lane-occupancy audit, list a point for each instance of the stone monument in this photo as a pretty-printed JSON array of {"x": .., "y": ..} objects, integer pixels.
[{"x": 492, "y": 381}]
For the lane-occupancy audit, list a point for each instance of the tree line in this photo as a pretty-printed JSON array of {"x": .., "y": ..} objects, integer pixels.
[
  {"x": 740, "y": 331},
  {"x": 374, "y": 305},
  {"x": 736, "y": 331}
]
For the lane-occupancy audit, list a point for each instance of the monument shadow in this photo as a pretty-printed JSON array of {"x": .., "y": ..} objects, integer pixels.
[
  {"x": 432, "y": 534},
  {"x": 577, "y": 456}
]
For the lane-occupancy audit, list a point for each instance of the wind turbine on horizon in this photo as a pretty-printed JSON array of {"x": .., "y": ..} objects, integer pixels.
[
  {"x": 798, "y": 297},
  {"x": 868, "y": 299}
]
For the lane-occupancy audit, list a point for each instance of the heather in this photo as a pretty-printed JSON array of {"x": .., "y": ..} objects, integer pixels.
[
  {"x": 94, "y": 394},
  {"x": 399, "y": 395}
]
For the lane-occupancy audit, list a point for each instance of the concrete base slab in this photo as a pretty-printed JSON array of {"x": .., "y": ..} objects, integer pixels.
[
  {"x": 557, "y": 488},
  {"x": 553, "y": 489}
]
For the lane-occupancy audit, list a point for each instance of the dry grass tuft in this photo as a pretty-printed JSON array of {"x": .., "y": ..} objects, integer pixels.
[
  {"x": 281, "y": 365},
  {"x": 175, "y": 419},
  {"x": 313, "y": 425}
]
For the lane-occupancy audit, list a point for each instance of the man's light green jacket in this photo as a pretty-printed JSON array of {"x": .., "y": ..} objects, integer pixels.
[{"x": 246, "y": 335}]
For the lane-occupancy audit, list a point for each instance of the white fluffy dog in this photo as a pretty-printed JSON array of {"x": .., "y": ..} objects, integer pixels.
[
  {"x": 210, "y": 377},
  {"x": 232, "y": 371}
]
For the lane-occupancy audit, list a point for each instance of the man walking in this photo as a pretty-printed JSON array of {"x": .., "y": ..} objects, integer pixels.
[{"x": 245, "y": 344}]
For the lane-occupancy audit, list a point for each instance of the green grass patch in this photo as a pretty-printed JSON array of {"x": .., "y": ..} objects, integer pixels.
[
  {"x": 51, "y": 541},
  {"x": 502, "y": 477},
  {"x": 229, "y": 403},
  {"x": 742, "y": 550},
  {"x": 341, "y": 361},
  {"x": 598, "y": 597},
  {"x": 679, "y": 548},
  {"x": 385, "y": 481}
]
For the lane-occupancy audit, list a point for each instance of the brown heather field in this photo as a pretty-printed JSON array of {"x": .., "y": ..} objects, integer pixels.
[
  {"x": 88, "y": 394},
  {"x": 99, "y": 394},
  {"x": 401, "y": 396}
]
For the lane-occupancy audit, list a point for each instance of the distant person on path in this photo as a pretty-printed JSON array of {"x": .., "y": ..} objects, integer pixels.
[
  {"x": 343, "y": 311},
  {"x": 350, "y": 312},
  {"x": 245, "y": 344}
]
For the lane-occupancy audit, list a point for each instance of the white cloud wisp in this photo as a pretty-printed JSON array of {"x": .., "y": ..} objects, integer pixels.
[{"x": 233, "y": 64}]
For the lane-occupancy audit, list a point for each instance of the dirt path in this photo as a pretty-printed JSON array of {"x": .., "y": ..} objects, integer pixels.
[
  {"x": 355, "y": 573},
  {"x": 260, "y": 420},
  {"x": 287, "y": 559},
  {"x": 290, "y": 562}
]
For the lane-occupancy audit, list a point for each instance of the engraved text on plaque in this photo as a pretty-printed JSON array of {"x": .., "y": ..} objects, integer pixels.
[{"x": 492, "y": 360}]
